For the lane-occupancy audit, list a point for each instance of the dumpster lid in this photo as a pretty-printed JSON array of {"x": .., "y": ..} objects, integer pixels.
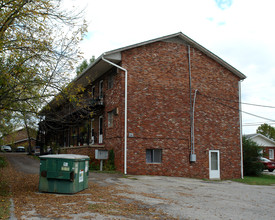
[{"x": 65, "y": 156}]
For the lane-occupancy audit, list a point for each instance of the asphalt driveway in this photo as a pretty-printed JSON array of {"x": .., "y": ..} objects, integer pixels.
[{"x": 178, "y": 197}]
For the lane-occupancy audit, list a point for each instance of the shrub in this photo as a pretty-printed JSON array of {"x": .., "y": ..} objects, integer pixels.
[
  {"x": 251, "y": 154},
  {"x": 110, "y": 163}
]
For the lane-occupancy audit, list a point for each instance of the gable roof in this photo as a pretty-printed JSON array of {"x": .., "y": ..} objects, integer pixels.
[
  {"x": 100, "y": 66},
  {"x": 184, "y": 38},
  {"x": 253, "y": 136}
]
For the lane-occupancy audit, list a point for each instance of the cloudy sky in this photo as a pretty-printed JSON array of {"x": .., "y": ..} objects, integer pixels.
[{"x": 239, "y": 31}]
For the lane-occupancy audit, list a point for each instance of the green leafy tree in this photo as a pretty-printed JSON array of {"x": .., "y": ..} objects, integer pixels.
[
  {"x": 84, "y": 65},
  {"x": 251, "y": 154},
  {"x": 38, "y": 48},
  {"x": 267, "y": 131}
]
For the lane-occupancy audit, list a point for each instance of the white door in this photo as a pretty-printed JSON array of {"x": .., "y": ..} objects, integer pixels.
[
  {"x": 214, "y": 164},
  {"x": 100, "y": 138}
]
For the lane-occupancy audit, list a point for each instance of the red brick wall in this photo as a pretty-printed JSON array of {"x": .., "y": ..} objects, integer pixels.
[
  {"x": 158, "y": 111},
  {"x": 83, "y": 150}
]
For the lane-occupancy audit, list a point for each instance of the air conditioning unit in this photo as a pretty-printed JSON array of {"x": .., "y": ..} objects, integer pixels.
[{"x": 101, "y": 154}]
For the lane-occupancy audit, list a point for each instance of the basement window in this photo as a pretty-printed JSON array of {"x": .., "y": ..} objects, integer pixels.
[{"x": 153, "y": 155}]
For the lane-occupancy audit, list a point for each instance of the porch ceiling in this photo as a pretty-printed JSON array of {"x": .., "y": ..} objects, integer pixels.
[{"x": 97, "y": 69}]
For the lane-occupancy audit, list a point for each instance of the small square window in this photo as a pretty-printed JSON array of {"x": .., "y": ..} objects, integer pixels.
[
  {"x": 110, "y": 119},
  {"x": 153, "y": 155}
]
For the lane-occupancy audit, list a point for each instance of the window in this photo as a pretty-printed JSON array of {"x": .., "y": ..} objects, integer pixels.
[
  {"x": 92, "y": 139},
  {"x": 100, "y": 137},
  {"x": 153, "y": 155},
  {"x": 261, "y": 152},
  {"x": 110, "y": 119},
  {"x": 100, "y": 89},
  {"x": 93, "y": 92},
  {"x": 111, "y": 81},
  {"x": 271, "y": 154}
]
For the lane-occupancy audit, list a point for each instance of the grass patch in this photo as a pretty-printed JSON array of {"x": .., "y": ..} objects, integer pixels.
[
  {"x": 129, "y": 177},
  {"x": 4, "y": 192},
  {"x": 263, "y": 179},
  {"x": 106, "y": 171}
]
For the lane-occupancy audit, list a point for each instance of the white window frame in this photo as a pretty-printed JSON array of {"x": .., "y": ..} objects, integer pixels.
[
  {"x": 110, "y": 119},
  {"x": 271, "y": 154},
  {"x": 92, "y": 141},
  {"x": 261, "y": 152},
  {"x": 151, "y": 156},
  {"x": 100, "y": 127},
  {"x": 93, "y": 91}
]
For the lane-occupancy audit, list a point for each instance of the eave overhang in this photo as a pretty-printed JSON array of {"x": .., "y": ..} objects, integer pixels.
[{"x": 99, "y": 66}]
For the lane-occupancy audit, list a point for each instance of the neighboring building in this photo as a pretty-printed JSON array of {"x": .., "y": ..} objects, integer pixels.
[
  {"x": 267, "y": 144},
  {"x": 160, "y": 99},
  {"x": 20, "y": 138}
]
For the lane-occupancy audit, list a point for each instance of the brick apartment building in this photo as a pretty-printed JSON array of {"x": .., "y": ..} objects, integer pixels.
[{"x": 182, "y": 106}]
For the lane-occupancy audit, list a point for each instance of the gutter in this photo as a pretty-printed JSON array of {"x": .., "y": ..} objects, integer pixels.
[
  {"x": 240, "y": 116},
  {"x": 125, "y": 111}
]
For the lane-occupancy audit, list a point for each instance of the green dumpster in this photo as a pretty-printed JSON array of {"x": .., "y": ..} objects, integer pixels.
[{"x": 63, "y": 173}]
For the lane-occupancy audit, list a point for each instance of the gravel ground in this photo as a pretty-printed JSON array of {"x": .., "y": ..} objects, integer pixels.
[
  {"x": 197, "y": 199},
  {"x": 180, "y": 198}
]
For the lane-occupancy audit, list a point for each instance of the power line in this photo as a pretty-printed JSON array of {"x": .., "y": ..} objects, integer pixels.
[
  {"x": 214, "y": 99},
  {"x": 247, "y": 125},
  {"x": 244, "y": 103}
]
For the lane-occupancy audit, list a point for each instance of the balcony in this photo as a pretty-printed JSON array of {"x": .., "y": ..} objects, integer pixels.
[{"x": 97, "y": 102}]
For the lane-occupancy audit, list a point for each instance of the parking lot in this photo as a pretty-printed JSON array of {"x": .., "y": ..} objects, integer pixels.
[
  {"x": 169, "y": 197},
  {"x": 185, "y": 198}
]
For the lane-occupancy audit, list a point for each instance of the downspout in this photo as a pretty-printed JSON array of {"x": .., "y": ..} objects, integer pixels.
[
  {"x": 192, "y": 154},
  {"x": 193, "y": 126},
  {"x": 125, "y": 111},
  {"x": 241, "y": 125}
]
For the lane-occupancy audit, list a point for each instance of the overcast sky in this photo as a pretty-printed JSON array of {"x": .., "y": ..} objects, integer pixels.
[{"x": 239, "y": 31}]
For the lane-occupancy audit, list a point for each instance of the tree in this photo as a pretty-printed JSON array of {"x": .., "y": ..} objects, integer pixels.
[
  {"x": 84, "y": 65},
  {"x": 267, "y": 131},
  {"x": 251, "y": 154},
  {"x": 38, "y": 48}
]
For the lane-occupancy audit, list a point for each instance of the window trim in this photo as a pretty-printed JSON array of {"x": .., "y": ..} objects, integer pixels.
[
  {"x": 111, "y": 117},
  {"x": 93, "y": 91},
  {"x": 271, "y": 154},
  {"x": 153, "y": 158}
]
